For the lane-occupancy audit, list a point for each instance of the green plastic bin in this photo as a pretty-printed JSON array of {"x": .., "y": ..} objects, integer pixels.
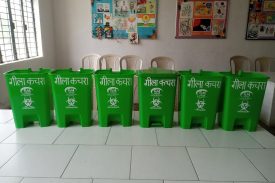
[
  {"x": 29, "y": 97},
  {"x": 114, "y": 92},
  {"x": 157, "y": 90},
  {"x": 72, "y": 95},
  {"x": 199, "y": 99},
  {"x": 243, "y": 98}
]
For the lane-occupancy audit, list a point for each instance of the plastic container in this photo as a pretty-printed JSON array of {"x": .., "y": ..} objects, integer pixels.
[
  {"x": 114, "y": 92},
  {"x": 157, "y": 90},
  {"x": 199, "y": 98},
  {"x": 72, "y": 95},
  {"x": 29, "y": 93},
  {"x": 243, "y": 98}
]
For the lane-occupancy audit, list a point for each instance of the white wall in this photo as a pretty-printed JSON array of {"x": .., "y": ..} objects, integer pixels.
[
  {"x": 48, "y": 59},
  {"x": 73, "y": 38}
]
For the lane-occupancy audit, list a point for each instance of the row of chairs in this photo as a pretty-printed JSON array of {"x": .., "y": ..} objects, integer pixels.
[
  {"x": 262, "y": 64},
  {"x": 132, "y": 62}
]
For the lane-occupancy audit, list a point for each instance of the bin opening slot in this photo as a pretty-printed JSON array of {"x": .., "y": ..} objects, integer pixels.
[
  {"x": 73, "y": 119},
  {"x": 156, "y": 121},
  {"x": 197, "y": 121},
  {"x": 240, "y": 123},
  {"x": 30, "y": 119}
]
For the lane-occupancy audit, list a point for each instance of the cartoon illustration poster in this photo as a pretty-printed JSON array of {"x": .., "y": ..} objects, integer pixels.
[
  {"x": 261, "y": 20},
  {"x": 119, "y": 19},
  {"x": 201, "y": 18}
]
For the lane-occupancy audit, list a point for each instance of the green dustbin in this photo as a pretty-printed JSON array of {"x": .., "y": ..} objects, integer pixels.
[
  {"x": 72, "y": 95},
  {"x": 114, "y": 92},
  {"x": 243, "y": 98},
  {"x": 199, "y": 98},
  {"x": 157, "y": 90},
  {"x": 29, "y": 96}
]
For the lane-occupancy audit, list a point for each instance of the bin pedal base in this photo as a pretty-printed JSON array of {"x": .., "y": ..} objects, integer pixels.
[
  {"x": 67, "y": 120},
  {"x": 114, "y": 119},
  {"x": 204, "y": 122},
  {"x": 235, "y": 123},
  {"x": 27, "y": 120},
  {"x": 155, "y": 121}
]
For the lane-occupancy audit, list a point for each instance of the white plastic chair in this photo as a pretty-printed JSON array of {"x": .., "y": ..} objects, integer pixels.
[
  {"x": 91, "y": 61},
  {"x": 110, "y": 61},
  {"x": 131, "y": 62},
  {"x": 238, "y": 63},
  {"x": 163, "y": 63},
  {"x": 265, "y": 64}
]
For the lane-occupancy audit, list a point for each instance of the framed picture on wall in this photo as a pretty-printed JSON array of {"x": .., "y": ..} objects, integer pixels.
[
  {"x": 201, "y": 18},
  {"x": 261, "y": 20}
]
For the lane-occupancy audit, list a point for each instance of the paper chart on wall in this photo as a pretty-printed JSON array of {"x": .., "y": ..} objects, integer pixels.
[
  {"x": 124, "y": 17},
  {"x": 201, "y": 18},
  {"x": 261, "y": 20}
]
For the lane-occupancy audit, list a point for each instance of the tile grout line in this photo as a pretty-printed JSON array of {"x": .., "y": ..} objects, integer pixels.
[
  {"x": 210, "y": 146},
  {"x": 131, "y": 162},
  {"x": 13, "y": 156},
  {"x": 69, "y": 161},
  {"x": 192, "y": 163},
  {"x": 21, "y": 180},
  {"x": 1, "y": 142},
  {"x": 256, "y": 140},
  {"x": 58, "y": 136},
  {"x": 157, "y": 137},
  {"x": 108, "y": 136},
  {"x": 253, "y": 164}
]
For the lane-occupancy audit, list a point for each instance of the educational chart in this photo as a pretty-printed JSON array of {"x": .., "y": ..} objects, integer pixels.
[
  {"x": 124, "y": 19},
  {"x": 261, "y": 20},
  {"x": 201, "y": 18}
]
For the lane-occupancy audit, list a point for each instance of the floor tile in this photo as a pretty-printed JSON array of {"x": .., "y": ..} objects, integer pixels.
[
  {"x": 39, "y": 161},
  {"x": 235, "y": 139},
  {"x": 263, "y": 137},
  {"x": 170, "y": 163},
  {"x": 7, "y": 151},
  {"x": 181, "y": 137},
  {"x": 55, "y": 180},
  {"x": 126, "y": 181},
  {"x": 5, "y": 115},
  {"x": 264, "y": 161},
  {"x": 220, "y": 164},
  {"x": 34, "y": 135},
  {"x": 132, "y": 136},
  {"x": 195, "y": 182},
  {"x": 100, "y": 162},
  {"x": 6, "y": 130},
  {"x": 10, "y": 179},
  {"x": 89, "y": 135}
]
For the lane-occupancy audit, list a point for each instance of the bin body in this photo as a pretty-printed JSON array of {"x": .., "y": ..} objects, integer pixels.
[
  {"x": 72, "y": 94},
  {"x": 114, "y": 93},
  {"x": 200, "y": 94},
  {"x": 243, "y": 100},
  {"x": 157, "y": 90},
  {"x": 29, "y": 96}
]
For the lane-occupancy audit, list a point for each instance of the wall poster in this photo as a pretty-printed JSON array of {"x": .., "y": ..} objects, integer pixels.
[
  {"x": 201, "y": 18},
  {"x": 261, "y": 20},
  {"x": 124, "y": 19}
]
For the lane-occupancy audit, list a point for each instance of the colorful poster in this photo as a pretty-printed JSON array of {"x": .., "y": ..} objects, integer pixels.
[
  {"x": 201, "y": 18},
  {"x": 261, "y": 20},
  {"x": 119, "y": 18}
]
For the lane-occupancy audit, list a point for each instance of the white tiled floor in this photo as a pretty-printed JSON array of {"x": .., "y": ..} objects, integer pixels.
[{"x": 133, "y": 155}]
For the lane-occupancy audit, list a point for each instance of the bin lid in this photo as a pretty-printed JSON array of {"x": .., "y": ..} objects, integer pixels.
[
  {"x": 110, "y": 72},
  {"x": 28, "y": 71},
  {"x": 70, "y": 71},
  {"x": 157, "y": 72}
]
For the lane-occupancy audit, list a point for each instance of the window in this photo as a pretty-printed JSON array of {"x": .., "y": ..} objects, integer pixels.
[{"x": 17, "y": 30}]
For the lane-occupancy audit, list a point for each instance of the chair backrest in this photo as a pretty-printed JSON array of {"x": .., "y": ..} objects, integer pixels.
[
  {"x": 163, "y": 63},
  {"x": 91, "y": 61},
  {"x": 111, "y": 61},
  {"x": 132, "y": 62},
  {"x": 265, "y": 64},
  {"x": 238, "y": 63}
]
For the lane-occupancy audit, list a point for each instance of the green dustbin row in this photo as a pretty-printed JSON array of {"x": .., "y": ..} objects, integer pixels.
[{"x": 236, "y": 98}]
